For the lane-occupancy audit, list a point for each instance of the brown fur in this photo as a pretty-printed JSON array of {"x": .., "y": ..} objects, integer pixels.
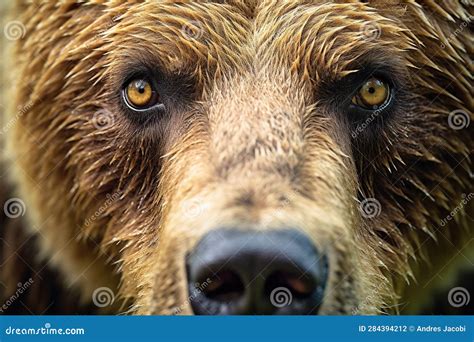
[{"x": 253, "y": 140}]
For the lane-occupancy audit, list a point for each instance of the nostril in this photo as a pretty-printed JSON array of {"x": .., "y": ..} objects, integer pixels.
[
  {"x": 225, "y": 286},
  {"x": 300, "y": 286},
  {"x": 246, "y": 271}
]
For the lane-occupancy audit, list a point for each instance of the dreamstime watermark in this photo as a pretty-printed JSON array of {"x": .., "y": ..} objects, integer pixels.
[
  {"x": 458, "y": 119},
  {"x": 21, "y": 287},
  {"x": 281, "y": 297},
  {"x": 458, "y": 208},
  {"x": 103, "y": 119},
  {"x": 14, "y": 30},
  {"x": 14, "y": 208},
  {"x": 362, "y": 126},
  {"x": 103, "y": 296},
  {"x": 192, "y": 30},
  {"x": 110, "y": 199},
  {"x": 456, "y": 32},
  {"x": 198, "y": 289},
  {"x": 22, "y": 110},
  {"x": 370, "y": 31},
  {"x": 370, "y": 208},
  {"x": 192, "y": 208},
  {"x": 363, "y": 307},
  {"x": 46, "y": 330},
  {"x": 459, "y": 296}
]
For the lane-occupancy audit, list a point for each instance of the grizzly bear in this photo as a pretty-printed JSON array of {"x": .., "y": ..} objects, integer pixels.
[{"x": 237, "y": 157}]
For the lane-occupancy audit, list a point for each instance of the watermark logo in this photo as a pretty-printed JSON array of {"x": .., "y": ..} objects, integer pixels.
[
  {"x": 103, "y": 119},
  {"x": 22, "y": 110},
  {"x": 363, "y": 307},
  {"x": 21, "y": 288},
  {"x": 14, "y": 30},
  {"x": 458, "y": 208},
  {"x": 103, "y": 296},
  {"x": 370, "y": 208},
  {"x": 198, "y": 289},
  {"x": 281, "y": 297},
  {"x": 14, "y": 208},
  {"x": 110, "y": 199},
  {"x": 458, "y": 296},
  {"x": 192, "y": 208},
  {"x": 456, "y": 32},
  {"x": 458, "y": 119},
  {"x": 192, "y": 30},
  {"x": 363, "y": 125},
  {"x": 370, "y": 31}
]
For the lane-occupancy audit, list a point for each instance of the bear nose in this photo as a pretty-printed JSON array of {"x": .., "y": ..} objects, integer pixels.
[{"x": 275, "y": 272}]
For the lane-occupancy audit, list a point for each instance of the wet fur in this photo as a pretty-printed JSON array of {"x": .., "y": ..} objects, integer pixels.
[{"x": 253, "y": 138}]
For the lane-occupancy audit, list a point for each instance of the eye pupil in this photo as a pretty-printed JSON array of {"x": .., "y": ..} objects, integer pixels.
[
  {"x": 139, "y": 94},
  {"x": 373, "y": 94},
  {"x": 140, "y": 85}
]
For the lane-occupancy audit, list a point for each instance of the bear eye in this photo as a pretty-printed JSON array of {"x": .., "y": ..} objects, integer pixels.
[
  {"x": 373, "y": 94},
  {"x": 139, "y": 94}
]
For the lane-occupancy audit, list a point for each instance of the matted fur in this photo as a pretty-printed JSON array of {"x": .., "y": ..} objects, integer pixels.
[{"x": 253, "y": 139}]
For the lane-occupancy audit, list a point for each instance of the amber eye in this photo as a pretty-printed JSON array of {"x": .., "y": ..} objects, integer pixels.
[
  {"x": 139, "y": 94},
  {"x": 373, "y": 94}
]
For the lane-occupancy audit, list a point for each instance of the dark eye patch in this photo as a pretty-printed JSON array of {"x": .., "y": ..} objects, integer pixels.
[
  {"x": 173, "y": 91},
  {"x": 337, "y": 95}
]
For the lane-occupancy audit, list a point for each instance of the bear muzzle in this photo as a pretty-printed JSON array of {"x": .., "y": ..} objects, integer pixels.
[{"x": 244, "y": 272}]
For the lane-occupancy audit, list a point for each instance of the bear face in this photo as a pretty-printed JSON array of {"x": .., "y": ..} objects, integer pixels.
[{"x": 150, "y": 126}]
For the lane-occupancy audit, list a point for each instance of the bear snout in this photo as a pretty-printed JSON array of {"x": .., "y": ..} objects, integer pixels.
[{"x": 234, "y": 271}]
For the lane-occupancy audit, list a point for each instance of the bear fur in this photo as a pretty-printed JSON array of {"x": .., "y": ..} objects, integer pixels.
[{"x": 253, "y": 136}]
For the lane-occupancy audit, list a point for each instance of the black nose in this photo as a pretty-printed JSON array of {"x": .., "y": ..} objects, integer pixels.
[{"x": 235, "y": 272}]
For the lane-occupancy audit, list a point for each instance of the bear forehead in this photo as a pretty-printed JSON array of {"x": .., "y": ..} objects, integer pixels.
[{"x": 301, "y": 35}]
